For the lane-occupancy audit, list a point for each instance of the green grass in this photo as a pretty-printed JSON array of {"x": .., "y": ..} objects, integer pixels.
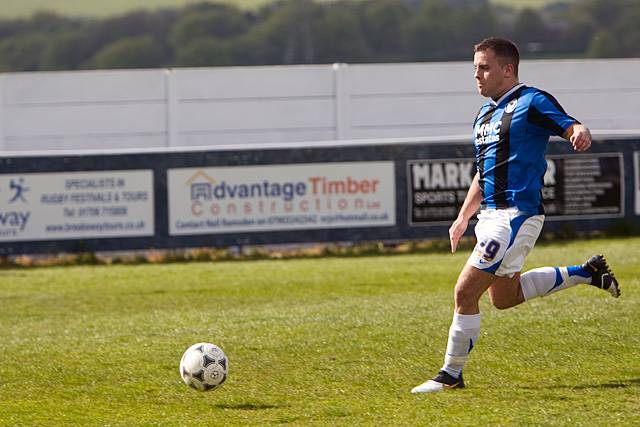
[{"x": 333, "y": 341}]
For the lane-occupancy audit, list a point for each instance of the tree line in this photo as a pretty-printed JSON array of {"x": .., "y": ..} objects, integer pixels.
[{"x": 309, "y": 32}]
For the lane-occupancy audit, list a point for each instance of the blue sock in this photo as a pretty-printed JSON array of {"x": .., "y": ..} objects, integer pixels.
[
  {"x": 547, "y": 280},
  {"x": 578, "y": 270}
]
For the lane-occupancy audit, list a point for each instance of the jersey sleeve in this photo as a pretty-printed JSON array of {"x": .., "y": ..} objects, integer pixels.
[{"x": 547, "y": 113}]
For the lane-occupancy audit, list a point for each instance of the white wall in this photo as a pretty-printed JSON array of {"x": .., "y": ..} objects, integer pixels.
[
  {"x": 253, "y": 104},
  {"x": 604, "y": 94},
  {"x": 406, "y": 100},
  {"x": 209, "y": 106},
  {"x": 101, "y": 109}
]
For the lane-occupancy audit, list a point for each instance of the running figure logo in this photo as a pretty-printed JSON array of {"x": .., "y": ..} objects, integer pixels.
[{"x": 17, "y": 185}]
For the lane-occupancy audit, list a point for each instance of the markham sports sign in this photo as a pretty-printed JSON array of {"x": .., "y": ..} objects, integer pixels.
[
  {"x": 281, "y": 197},
  {"x": 587, "y": 186},
  {"x": 437, "y": 189}
]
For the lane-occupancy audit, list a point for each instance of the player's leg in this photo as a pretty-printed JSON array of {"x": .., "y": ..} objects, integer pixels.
[
  {"x": 471, "y": 284},
  {"x": 544, "y": 281},
  {"x": 506, "y": 292},
  {"x": 465, "y": 326},
  {"x": 464, "y": 330},
  {"x": 492, "y": 232}
]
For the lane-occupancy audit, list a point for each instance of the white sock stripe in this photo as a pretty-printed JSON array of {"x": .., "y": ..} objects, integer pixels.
[
  {"x": 528, "y": 290},
  {"x": 465, "y": 328},
  {"x": 465, "y": 321},
  {"x": 544, "y": 281},
  {"x": 455, "y": 360}
]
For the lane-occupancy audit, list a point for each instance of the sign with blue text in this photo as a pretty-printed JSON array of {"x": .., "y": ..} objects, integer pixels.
[{"x": 73, "y": 205}]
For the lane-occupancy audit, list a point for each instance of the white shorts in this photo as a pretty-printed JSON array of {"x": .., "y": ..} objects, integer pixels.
[{"x": 505, "y": 238}]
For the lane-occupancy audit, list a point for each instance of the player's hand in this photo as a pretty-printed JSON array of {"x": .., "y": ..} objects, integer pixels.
[
  {"x": 580, "y": 138},
  {"x": 456, "y": 231}
]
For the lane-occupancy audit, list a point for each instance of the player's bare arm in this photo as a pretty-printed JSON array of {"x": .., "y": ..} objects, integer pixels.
[
  {"x": 579, "y": 136},
  {"x": 469, "y": 207}
]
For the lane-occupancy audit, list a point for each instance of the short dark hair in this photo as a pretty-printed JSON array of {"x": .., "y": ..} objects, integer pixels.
[{"x": 506, "y": 51}]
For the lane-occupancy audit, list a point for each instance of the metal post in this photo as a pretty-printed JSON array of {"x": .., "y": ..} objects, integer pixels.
[
  {"x": 342, "y": 101},
  {"x": 2, "y": 115},
  {"x": 172, "y": 108}
]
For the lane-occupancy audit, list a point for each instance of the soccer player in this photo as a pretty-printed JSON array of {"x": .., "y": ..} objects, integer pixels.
[{"x": 511, "y": 134}]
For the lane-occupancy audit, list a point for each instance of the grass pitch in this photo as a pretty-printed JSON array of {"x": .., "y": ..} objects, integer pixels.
[{"x": 333, "y": 341}]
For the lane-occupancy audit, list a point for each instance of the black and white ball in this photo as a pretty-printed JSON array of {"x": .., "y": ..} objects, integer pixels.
[{"x": 204, "y": 366}]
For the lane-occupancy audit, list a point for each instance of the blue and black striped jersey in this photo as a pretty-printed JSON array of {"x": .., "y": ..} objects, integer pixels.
[{"x": 511, "y": 137}]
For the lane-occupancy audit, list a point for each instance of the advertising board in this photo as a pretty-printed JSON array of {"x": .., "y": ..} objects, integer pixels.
[
  {"x": 72, "y": 205},
  {"x": 281, "y": 197}
]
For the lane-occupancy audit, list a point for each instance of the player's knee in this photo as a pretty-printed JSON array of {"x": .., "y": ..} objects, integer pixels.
[
  {"x": 464, "y": 295},
  {"x": 506, "y": 293},
  {"x": 500, "y": 303}
]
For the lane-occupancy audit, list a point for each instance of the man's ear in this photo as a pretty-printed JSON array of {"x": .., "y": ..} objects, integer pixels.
[{"x": 509, "y": 70}]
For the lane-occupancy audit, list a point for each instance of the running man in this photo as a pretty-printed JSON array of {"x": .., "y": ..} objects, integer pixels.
[{"x": 511, "y": 133}]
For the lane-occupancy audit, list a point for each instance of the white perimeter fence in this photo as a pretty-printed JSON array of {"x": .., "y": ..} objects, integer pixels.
[{"x": 254, "y": 105}]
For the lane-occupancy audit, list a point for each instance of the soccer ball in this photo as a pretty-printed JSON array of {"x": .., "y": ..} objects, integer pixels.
[{"x": 204, "y": 366}]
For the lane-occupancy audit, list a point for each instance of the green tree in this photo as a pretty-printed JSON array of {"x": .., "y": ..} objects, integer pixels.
[
  {"x": 219, "y": 22},
  {"x": 604, "y": 13},
  {"x": 613, "y": 27},
  {"x": 382, "y": 22},
  {"x": 50, "y": 23},
  {"x": 339, "y": 36},
  {"x": 428, "y": 34},
  {"x": 66, "y": 51},
  {"x": 627, "y": 30},
  {"x": 312, "y": 31},
  {"x": 130, "y": 52},
  {"x": 204, "y": 52},
  {"x": 104, "y": 32},
  {"x": 604, "y": 45},
  {"x": 11, "y": 28},
  {"x": 575, "y": 37},
  {"x": 284, "y": 35},
  {"x": 472, "y": 23},
  {"x": 251, "y": 48},
  {"x": 529, "y": 27},
  {"x": 22, "y": 52}
]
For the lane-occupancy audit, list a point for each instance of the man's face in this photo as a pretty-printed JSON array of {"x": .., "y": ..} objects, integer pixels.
[{"x": 492, "y": 79}]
